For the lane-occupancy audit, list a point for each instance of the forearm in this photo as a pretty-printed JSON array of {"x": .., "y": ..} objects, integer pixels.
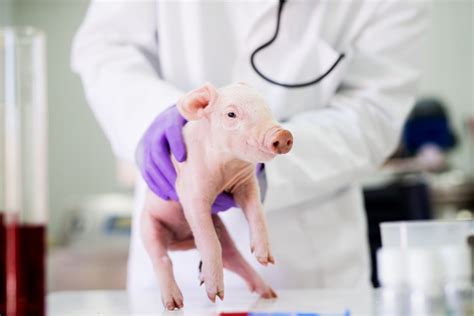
[{"x": 334, "y": 147}]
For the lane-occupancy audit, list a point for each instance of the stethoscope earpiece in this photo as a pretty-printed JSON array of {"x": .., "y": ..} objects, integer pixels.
[{"x": 274, "y": 37}]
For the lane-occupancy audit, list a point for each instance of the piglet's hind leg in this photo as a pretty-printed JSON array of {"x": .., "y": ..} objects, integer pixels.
[{"x": 156, "y": 238}]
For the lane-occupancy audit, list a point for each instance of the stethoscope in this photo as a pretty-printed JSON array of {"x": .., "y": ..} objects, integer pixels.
[{"x": 265, "y": 45}]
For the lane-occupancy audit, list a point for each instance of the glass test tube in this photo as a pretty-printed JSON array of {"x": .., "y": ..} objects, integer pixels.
[{"x": 23, "y": 171}]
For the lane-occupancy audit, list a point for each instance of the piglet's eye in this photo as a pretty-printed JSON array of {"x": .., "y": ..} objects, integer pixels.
[{"x": 231, "y": 115}]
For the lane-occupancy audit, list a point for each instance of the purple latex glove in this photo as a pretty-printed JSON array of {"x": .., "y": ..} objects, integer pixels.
[{"x": 153, "y": 157}]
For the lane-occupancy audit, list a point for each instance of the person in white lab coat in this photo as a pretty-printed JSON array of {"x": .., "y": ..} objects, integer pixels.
[{"x": 137, "y": 58}]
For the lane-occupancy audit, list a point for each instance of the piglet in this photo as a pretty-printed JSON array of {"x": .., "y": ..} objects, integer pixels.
[{"x": 229, "y": 131}]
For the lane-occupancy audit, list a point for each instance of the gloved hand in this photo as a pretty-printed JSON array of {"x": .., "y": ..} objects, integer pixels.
[{"x": 153, "y": 157}]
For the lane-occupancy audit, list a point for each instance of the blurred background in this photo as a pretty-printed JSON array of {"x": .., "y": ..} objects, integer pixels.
[{"x": 90, "y": 193}]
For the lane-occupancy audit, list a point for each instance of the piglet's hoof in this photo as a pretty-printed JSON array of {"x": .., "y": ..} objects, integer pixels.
[
  {"x": 212, "y": 296},
  {"x": 262, "y": 254},
  {"x": 257, "y": 285},
  {"x": 214, "y": 283},
  {"x": 172, "y": 298},
  {"x": 267, "y": 293}
]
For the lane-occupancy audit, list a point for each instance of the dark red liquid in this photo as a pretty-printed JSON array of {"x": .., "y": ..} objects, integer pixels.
[{"x": 26, "y": 265}]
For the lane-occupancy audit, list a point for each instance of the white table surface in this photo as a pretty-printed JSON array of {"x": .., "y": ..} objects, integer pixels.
[{"x": 117, "y": 303}]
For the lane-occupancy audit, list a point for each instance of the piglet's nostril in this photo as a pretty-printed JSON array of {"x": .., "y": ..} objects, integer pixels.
[{"x": 281, "y": 142}]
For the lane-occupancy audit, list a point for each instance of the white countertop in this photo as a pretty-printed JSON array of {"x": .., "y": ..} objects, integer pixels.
[{"x": 117, "y": 303}]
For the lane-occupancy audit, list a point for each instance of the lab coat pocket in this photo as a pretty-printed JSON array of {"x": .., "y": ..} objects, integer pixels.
[{"x": 334, "y": 63}]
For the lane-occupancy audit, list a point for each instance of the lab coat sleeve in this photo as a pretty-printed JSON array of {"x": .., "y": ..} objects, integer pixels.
[
  {"x": 114, "y": 52},
  {"x": 336, "y": 146}
]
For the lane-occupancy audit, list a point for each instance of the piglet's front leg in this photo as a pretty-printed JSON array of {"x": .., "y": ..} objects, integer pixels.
[
  {"x": 198, "y": 214},
  {"x": 247, "y": 196}
]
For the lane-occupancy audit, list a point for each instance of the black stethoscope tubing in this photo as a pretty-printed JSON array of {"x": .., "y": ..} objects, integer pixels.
[{"x": 268, "y": 43}]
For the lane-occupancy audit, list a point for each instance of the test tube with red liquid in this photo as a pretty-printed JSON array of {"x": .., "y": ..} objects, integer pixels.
[{"x": 23, "y": 172}]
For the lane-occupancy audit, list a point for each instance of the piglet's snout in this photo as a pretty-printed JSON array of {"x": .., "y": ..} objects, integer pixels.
[{"x": 280, "y": 141}]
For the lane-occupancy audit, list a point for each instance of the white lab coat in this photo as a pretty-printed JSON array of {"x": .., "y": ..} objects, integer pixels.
[{"x": 136, "y": 58}]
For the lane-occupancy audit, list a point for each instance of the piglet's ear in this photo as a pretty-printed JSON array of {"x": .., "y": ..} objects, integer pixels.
[{"x": 194, "y": 104}]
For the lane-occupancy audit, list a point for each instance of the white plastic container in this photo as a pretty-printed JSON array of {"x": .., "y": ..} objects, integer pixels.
[
  {"x": 458, "y": 288},
  {"x": 426, "y": 266},
  {"x": 393, "y": 297}
]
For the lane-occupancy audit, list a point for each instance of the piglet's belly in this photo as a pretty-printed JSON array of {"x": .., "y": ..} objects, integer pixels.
[{"x": 169, "y": 214}]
